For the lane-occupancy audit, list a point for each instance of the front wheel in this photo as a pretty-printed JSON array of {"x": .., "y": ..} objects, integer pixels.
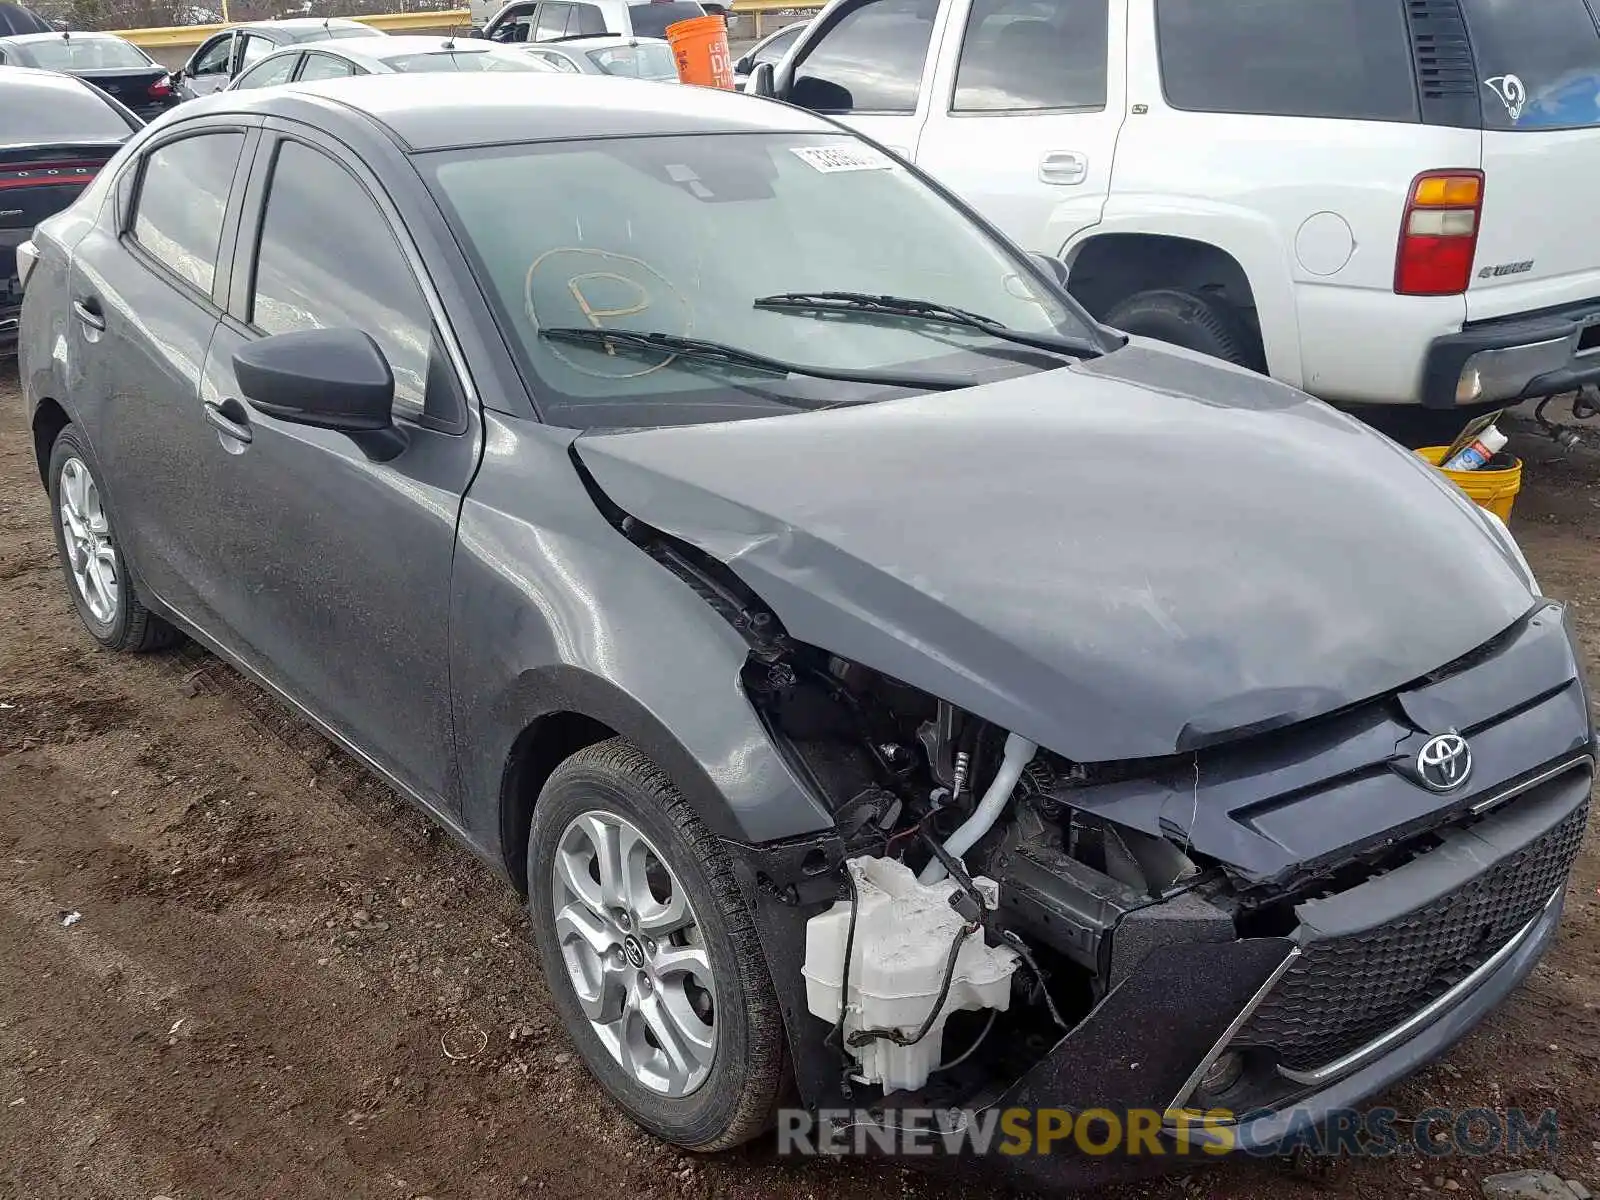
[
  {"x": 97, "y": 574},
  {"x": 650, "y": 952}
]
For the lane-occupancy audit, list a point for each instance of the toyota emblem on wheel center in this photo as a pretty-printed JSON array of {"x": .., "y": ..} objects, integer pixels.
[{"x": 1444, "y": 763}]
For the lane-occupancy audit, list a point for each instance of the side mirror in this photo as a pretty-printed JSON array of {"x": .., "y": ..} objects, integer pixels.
[
  {"x": 175, "y": 76},
  {"x": 1053, "y": 267},
  {"x": 330, "y": 378},
  {"x": 742, "y": 67},
  {"x": 761, "y": 80}
]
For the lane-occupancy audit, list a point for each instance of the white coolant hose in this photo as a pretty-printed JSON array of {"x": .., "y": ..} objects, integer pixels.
[{"x": 1019, "y": 753}]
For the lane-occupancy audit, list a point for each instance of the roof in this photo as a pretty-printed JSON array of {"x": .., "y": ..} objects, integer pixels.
[
  {"x": 304, "y": 23},
  {"x": 33, "y": 39},
  {"x": 45, "y": 80},
  {"x": 401, "y": 45},
  {"x": 597, "y": 41},
  {"x": 443, "y": 111}
]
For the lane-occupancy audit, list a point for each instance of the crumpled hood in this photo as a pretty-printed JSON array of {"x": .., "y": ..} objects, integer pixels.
[{"x": 1140, "y": 555}]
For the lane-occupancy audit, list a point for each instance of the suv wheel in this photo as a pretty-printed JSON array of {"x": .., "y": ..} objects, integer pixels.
[
  {"x": 1196, "y": 322},
  {"x": 650, "y": 952},
  {"x": 96, "y": 574}
]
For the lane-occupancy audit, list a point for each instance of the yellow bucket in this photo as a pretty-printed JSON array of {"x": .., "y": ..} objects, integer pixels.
[{"x": 1495, "y": 489}]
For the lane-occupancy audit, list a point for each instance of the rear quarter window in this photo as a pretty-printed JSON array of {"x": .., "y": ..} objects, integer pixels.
[
  {"x": 1538, "y": 64},
  {"x": 1347, "y": 59}
]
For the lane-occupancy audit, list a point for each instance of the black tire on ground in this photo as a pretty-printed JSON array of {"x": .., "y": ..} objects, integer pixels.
[
  {"x": 1204, "y": 324},
  {"x": 131, "y": 627},
  {"x": 737, "y": 1101}
]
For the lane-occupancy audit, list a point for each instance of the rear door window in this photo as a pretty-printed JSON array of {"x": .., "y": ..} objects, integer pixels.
[
  {"x": 870, "y": 62},
  {"x": 1538, "y": 64},
  {"x": 325, "y": 66},
  {"x": 552, "y": 21},
  {"x": 182, "y": 200},
  {"x": 1027, "y": 55},
  {"x": 1349, "y": 59},
  {"x": 268, "y": 73}
]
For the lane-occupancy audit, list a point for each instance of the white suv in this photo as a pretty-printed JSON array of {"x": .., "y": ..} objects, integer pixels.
[{"x": 1380, "y": 201}]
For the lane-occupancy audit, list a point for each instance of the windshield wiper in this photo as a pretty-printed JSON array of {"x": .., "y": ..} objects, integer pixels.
[
  {"x": 930, "y": 310},
  {"x": 700, "y": 350}
]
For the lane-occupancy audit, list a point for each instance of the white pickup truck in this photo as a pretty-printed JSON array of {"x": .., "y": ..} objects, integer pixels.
[{"x": 1379, "y": 201}]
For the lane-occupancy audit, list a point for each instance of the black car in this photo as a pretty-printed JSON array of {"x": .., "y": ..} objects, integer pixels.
[
  {"x": 56, "y": 132},
  {"x": 892, "y": 691},
  {"x": 114, "y": 65}
]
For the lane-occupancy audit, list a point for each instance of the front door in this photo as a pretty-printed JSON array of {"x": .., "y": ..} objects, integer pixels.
[
  {"x": 337, "y": 574},
  {"x": 211, "y": 67},
  {"x": 867, "y": 69}
]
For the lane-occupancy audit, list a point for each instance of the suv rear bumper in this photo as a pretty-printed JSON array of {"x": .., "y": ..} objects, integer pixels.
[{"x": 1511, "y": 359}]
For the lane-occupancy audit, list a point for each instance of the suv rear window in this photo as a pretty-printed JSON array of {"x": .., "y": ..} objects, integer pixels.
[
  {"x": 651, "y": 20},
  {"x": 1334, "y": 58},
  {"x": 1538, "y": 64}
]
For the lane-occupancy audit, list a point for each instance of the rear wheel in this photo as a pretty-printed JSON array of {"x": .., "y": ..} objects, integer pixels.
[
  {"x": 97, "y": 576},
  {"x": 1206, "y": 324},
  {"x": 650, "y": 952}
]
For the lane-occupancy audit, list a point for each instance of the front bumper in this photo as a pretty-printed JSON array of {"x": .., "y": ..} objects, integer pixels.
[{"x": 1515, "y": 358}]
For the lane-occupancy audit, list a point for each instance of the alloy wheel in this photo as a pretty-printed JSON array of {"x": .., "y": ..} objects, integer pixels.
[
  {"x": 634, "y": 953},
  {"x": 91, "y": 554}
]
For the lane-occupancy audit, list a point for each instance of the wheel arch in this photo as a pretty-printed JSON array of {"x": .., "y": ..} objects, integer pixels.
[
  {"x": 49, "y": 419},
  {"x": 562, "y": 709},
  {"x": 1245, "y": 267}
]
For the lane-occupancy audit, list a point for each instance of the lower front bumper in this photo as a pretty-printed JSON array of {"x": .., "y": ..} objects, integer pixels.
[
  {"x": 1515, "y": 359},
  {"x": 1129, "y": 1056}
]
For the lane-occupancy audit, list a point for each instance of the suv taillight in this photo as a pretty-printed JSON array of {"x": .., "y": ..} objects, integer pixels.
[{"x": 1439, "y": 234}]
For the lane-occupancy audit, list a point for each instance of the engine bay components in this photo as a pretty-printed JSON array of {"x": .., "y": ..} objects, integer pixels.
[{"x": 890, "y": 968}]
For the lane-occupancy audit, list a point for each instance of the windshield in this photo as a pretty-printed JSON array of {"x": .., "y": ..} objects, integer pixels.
[
  {"x": 652, "y": 60},
  {"x": 651, "y": 20},
  {"x": 86, "y": 54},
  {"x": 682, "y": 235},
  {"x": 1538, "y": 63},
  {"x": 465, "y": 60}
]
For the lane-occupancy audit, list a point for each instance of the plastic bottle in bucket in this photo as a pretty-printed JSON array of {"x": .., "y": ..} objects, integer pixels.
[
  {"x": 700, "y": 45},
  {"x": 1469, "y": 458}
]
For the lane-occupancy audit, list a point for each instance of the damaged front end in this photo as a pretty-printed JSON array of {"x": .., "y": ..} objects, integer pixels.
[{"x": 1268, "y": 928}]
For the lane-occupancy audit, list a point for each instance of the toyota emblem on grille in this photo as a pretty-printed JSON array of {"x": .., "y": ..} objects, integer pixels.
[{"x": 1445, "y": 762}]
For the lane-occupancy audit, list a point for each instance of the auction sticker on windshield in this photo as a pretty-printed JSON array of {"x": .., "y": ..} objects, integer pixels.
[{"x": 843, "y": 158}]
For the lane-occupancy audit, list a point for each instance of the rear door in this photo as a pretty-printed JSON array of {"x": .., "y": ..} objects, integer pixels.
[
  {"x": 1026, "y": 106},
  {"x": 1539, "y": 84},
  {"x": 329, "y": 570},
  {"x": 868, "y": 67},
  {"x": 146, "y": 295}
]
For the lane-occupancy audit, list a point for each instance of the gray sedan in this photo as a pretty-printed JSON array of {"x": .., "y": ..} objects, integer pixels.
[
  {"x": 629, "y": 57},
  {"x": 893, "y": 692}
]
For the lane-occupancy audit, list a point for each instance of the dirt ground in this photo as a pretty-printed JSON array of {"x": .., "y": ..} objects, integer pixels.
[{"x": 284, "y": 983}]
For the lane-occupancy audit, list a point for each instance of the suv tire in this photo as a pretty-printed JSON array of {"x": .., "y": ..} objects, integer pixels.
[
  {"x": 1196, "y": 322},
  {"x": 103, "y": 592},
  {"x": 614, "y": 940}
]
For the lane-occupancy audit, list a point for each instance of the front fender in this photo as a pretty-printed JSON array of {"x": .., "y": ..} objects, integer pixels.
[{"x": 553, "y": 610}]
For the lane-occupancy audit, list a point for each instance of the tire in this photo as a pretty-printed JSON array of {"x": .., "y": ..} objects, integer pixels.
[
  {"x": 741, "y": 1076},
  {"x": 1204, "y": 324},
  {"x": 107, "y": 601}
]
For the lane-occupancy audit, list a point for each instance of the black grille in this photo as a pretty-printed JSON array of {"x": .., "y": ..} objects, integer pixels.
[{"x": 1343, "y": 992}]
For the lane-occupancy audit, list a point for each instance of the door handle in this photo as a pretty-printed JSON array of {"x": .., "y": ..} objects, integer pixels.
[
  {"x": 230, "y": 419},
  {"x": 88, "y": 311},
  {"x": 1064, "y": 166}
]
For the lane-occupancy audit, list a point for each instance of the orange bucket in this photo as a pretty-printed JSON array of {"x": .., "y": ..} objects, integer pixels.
[{"x": 700, "y": 45}]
